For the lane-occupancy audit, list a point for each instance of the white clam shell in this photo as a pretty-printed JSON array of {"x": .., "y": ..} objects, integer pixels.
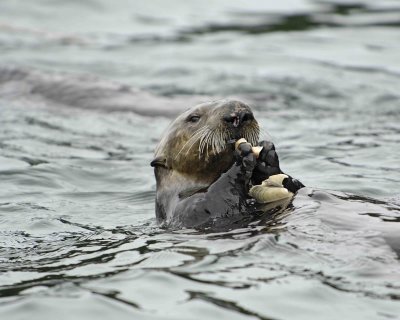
[{"x": 270, "y": 190}]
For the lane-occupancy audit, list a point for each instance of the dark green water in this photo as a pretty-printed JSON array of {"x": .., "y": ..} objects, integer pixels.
[{"x": 86, "y": 90}]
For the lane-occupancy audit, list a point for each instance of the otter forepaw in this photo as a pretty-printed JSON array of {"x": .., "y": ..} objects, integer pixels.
[
  {"x": 267, "y": 163},
  {"x": 268, "y": 154},
  {"x": 243, "y": 147},
  {"x": 245, "y": 157}
]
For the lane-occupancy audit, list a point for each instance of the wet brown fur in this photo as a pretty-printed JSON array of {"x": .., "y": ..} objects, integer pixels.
[{"x": 187, "y": 160}]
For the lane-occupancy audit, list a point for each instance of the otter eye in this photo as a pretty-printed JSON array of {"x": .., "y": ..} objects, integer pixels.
[{"x": 194, "y": 118}]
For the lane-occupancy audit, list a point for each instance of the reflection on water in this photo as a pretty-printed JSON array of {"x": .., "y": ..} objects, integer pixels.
[{"x": 77, "y": 232}]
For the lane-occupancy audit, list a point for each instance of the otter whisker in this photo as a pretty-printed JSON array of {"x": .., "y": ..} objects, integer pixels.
[
  {"x": 252, "y": 134},
  {"x": 201, "y": 139},
  {"x": 197, "y": 138},
  {"x": 201, "y": 144},
  {"x": 213, "y": 139},
  {"x": 222, "y": 139},
  {"x": 214, "y": 143},
  {"x": 207, "y": 143},
  {"x": 193, "y": 139},
  {"x": 204, "y": 141}
]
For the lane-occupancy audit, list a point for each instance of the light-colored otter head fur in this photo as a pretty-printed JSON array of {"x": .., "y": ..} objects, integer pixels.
[{"x": 197, "y": 146}]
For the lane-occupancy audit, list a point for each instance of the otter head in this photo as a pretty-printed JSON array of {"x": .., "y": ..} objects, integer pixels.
[{"x": 198, "y": 143}]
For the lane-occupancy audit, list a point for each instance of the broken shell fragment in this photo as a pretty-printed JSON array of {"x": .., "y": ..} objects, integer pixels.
[{"x": 256, "y": 150}]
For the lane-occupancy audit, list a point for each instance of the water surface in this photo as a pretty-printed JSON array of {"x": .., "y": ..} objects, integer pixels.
[{"x": 86, "y": 90}]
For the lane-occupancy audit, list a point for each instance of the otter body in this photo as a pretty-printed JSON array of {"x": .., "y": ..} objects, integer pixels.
[{"x": 201, "y": 178}]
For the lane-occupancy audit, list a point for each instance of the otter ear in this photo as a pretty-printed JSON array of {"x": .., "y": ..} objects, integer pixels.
[{"x": 159, "y": 162}]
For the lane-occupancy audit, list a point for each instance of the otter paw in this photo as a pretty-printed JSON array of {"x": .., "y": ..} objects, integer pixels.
[
  {"x": 267, "y": 163},
  {"x": 246, "y": 159},
  {"x": 243, "y": 147},
  {"x": 268, "y": 154}
]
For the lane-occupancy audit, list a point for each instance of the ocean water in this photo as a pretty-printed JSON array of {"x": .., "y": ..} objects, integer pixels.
[{"x": 87, "y": 89}]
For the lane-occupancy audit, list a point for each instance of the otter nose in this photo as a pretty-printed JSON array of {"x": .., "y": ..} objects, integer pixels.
[{"x": 238, "y": 118}]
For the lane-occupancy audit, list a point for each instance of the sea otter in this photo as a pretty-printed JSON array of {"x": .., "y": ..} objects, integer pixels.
[{"x": 201, "y": 178}]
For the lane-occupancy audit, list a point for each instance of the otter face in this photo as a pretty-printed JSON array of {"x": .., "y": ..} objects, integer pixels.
[
  {"x": 217, "y": 123},
  {"x": 201, "y": 139}
]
